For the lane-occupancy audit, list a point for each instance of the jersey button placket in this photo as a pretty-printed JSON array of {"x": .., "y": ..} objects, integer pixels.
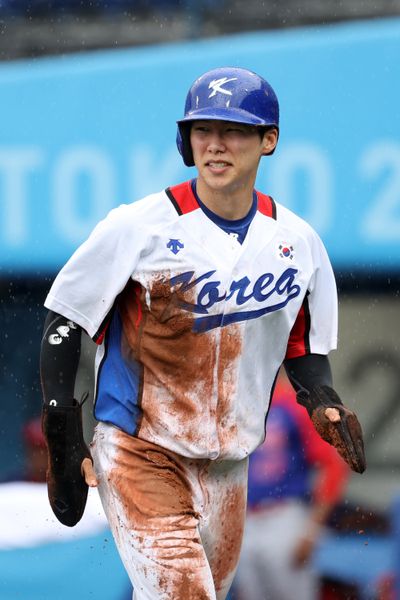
[{"x": 214, "y": 409}]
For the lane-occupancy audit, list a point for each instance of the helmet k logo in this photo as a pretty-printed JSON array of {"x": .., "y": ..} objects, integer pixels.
[{"x": 216, "y": 84}]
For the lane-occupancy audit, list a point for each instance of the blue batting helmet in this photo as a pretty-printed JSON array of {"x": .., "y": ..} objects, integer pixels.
[{"x": 227, "y": 94}]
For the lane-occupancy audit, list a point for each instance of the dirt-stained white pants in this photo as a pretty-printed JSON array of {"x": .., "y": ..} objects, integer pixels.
[{"x": 177, "y": 522}]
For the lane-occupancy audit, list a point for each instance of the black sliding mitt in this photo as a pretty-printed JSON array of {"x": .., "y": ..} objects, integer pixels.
[
  {"x": 66, "y": 486},
  {"x": 344, "y": 435}
]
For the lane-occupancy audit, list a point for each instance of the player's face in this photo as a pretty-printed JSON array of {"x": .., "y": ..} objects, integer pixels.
[{"x": 227, "y": 154}]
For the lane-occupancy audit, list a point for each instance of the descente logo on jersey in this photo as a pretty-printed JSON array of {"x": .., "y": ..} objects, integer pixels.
[{"x": 210, "y": 293}]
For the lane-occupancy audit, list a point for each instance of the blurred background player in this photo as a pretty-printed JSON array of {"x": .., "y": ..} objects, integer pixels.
[
  {"x": 36, "y": 451},
  {"x": 295, "y": 480},
  {"x": 34, "y": 464}
]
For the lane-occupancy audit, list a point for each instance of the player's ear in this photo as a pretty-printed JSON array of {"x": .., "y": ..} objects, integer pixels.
[{"x": 269, "y": 141}]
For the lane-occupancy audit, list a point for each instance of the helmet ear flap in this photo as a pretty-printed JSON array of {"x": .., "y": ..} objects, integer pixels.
[{"x": 183, "y": 143}]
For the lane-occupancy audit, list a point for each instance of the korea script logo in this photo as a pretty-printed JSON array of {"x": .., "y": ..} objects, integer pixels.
[{"x": 283, "y": 289}]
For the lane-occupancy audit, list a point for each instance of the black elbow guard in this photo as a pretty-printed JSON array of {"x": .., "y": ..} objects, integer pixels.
[{"x": 66, "y": 486}]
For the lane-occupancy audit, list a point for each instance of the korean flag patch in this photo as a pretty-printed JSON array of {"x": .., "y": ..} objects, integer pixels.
[{"x": 285, "y": 251}]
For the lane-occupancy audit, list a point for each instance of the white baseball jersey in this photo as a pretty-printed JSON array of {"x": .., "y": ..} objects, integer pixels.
[{"x": 192, "y": 325}]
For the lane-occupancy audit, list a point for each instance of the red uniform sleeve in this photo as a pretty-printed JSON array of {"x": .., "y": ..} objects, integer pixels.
[{"x": 299, "y": 342}]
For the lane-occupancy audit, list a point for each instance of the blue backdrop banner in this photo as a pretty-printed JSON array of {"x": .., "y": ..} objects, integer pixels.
[{"x": 83, "y": 133}]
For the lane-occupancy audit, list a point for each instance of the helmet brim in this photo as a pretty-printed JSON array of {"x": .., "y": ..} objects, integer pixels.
[{"x": 235, "y": 115}]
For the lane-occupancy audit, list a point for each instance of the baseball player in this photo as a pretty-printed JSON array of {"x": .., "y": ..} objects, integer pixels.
[
  {"x": 195, "y": 295},
  {"x": 295, "y": 480}
]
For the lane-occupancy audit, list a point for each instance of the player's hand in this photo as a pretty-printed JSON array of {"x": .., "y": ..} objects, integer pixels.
[
  {"x": 332, "y": 414},
  {"x": 336, "y": 424},
  {"x": 88, "y": 472}
]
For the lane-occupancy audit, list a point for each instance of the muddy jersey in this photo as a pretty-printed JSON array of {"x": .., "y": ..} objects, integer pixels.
[{"x": 193, "y": 326}]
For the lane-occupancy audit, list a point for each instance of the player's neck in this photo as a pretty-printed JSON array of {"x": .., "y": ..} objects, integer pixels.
[{"x": 232, "y": 204}]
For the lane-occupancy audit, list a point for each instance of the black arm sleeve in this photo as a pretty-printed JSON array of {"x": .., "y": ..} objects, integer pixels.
[
  {"x": 59, "y": 359},
  {"x": 306, "y": 372}
]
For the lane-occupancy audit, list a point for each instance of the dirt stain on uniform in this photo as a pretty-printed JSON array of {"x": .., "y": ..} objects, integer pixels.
[
  {"x": 231, "y": 526},
  {"x": 183, "y": 371},
  {"x": 158, "y": 512},
  {"x": 189, "y": 380},
  {"x": 230, "y": 350},
  {"x": 150, "y": 483}
]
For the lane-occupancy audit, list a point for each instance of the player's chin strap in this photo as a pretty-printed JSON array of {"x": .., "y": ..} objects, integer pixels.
[{"x": 63, "y": 430}]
